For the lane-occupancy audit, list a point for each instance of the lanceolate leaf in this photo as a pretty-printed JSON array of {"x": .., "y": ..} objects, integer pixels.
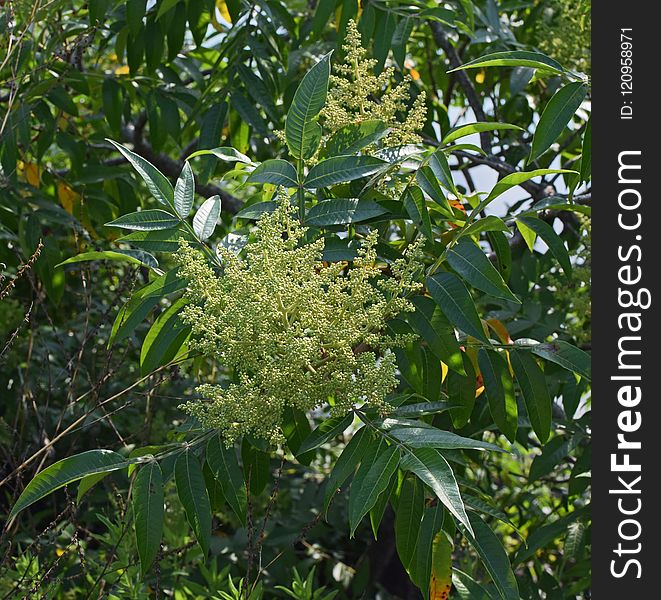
[
  {"x": 165, "y": 339},
  {"x": 429, "y": 321},
  {"x": 326, "y": 432},
  {"x": 159, "y": 240},
  {"x": 455, "y": 301},
  {"x": 112, "y": 255},
  {"x": 354, "y": 137},
  {"x": 467, "y": 259},
  {"x": 337, "y": 211},
  {"x": 441, "y": 572},
  {"x": 275, "y": 171},
  {"x": 347, "y": 462},
  {"x": 148, "y": 512},
  {"x": 432, "y": 469},
  {"x": 67, "y": 471},
  {"x": 421, "y": 566},
  {"x": 472, "y": 128},
  {"x": 225, "y": 466},
  {"x": 499, "y": 389},
  {"x": 410, "y": 508},
  {"x": 340, "y": 169},
  {"x": 184, "y": 191},
  {"x": 558, "y": 112},
  {"x": 157, "y": 183},
  {"x": 516, "y": 58},
  {"x": 146, "y": 220},
  {"x": 194, "y": 497},
  {"x": 552, "y": 239},
  {"x": 535, "y": 393},
  {"x": 426, "y": 437},
  {"x": 494, "y": 557},
  {"x": 371, "y": 479},
  {"x": 567, "y": 356},
  {"x": 441, "y": 169},
  {"x": 206, "y": 217},
  {"x": 302, "y": 131},
  {"x": 414, "y": 203}
]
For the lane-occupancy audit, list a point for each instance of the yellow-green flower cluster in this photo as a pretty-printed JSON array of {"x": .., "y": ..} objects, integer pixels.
[
  {"x": 292, "y": 330},
  {"x": 357, "y": 95}
]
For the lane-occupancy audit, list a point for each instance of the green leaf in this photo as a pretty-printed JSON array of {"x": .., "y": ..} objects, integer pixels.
[
  {"x": 429, "y": 465},
  {"x": 429, "y": 321},
  {"x": 416, "y": 208},
  {"x": 87, "y": 483},
  {"x": 165, "y": 339},
  {"x": 528, "y": 235},
  {"x": 142, "y": 302},
  {"x": 451, "y": 295},
  {"x": 328, "y": 430},
  {"x": 148, "y": 513},
  {"x": 275, "y": 171},
  {"x": 469, "y": 261},
  {"x": 226, "y": 470},
  {"x": 224, "y": 153},
  {"x": 158, "y": 240},
  {"x": 510, "y": 181},
  {"x": 516, "y": 58},
  {"x": 302, "y": 132},
  {"x": 552, "y": 239},
  {"x": 211, "y": 131},
  {"x": 256, "y": 467},
  {"x": 66, "y": 471},
  {"x": 586, "y": 154},
  {"x": 194, "y": 497},
  {"x": 254, "y": 211},
  {"x": 410, "y": 509},
  {"x": 467, "y": 588},
  {"x": 567, "y": 356},
  {"x": 346, "y": 463},
  {"x": 462, "y": 391},
  {"x": 557, "y": 113},
  {"x": 146, "y": 220},
  {"x": 158, "y": 184},
  {"x": 499, "y": 390},
  {"x": 340, "y": 169},
  {"x": 165, "y": 6},
  {"x": 109, "y": 255},
  {"x": 337, "y": 211},
  {"x": 111, "y": 93},
  {"x": 493, "y": 556},
  {"x": 206, "y": 217},
  {"x": 428, "y": 182},
  {"x": 354, "y": 137},
  {"x": 184, "y": 191},
  {"x": 379, "y": 508},
  {"x": 535, "y": 393},
  {"x": 552, "y": 453},
  {"x": 438, "y": 163},
  {"x": 465, "y": 130},
  {"x": 372, "y": 478},
  {"x": 488, "y": 223},
  {"x": 425, "y": 437},
  {"x": 420, "y": 567}
]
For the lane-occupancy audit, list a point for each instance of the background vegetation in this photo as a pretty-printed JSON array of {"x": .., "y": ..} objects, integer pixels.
[{"x": 92, "y": 358}]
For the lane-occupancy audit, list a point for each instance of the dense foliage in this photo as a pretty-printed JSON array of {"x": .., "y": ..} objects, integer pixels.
[{"x": 295, "y": 299}]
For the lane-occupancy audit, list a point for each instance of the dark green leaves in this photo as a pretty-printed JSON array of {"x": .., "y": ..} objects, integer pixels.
[
  {"x": 354, "y": 137},
  {"x": 302, "y": 131},
  {"x": 499, "y": 389},
  {"x": 451, "y": 295},
  {"x": 148, "y": 512},
  {"x": 535, "y": 393},
  {"x": 467, "y": 259},
  {"x": 470, "y": 129},
  {"x": 325, "y": 432},
  {"x": 371, "y": 479},
  {"x": 337, "y": 211},
  {"x": 567, "y": 356},
  {"x": 225, "y": 466},
  {"x": 432, "y": 469},
  {"x": 552, "y": 239},
  {"x": 275, "y": 171},
  {"x": 194, "y": 497},
  {"x": 146, "y": 220},
  {"x": 414, "y": 203},
  {"x": 516, "y": 58},
  {"x": 410, "y": 508},
  {"x": 66, "y": 471},
  {"x": 157, "y": 184},
  {"x": 340, "y": 169},
  {"x": 558, "y": 112},
  {"x": 430, "y": 437},
  {"x": 184, "y": 191}
]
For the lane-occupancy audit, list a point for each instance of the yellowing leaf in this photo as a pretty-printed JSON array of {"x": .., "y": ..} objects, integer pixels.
[
  {"x": 441, "y": 567},
  {"x": 500, "y": 330},
  {"x": 444, "y": 371},
  {"x": 479, "y": 78},
  {"x": 67, "y": 196},
  {"x": 123, "y": 70},
  {"x": 223, "y": 10},
  {"x": 414, "y": 74},
  {"x": 32, "y": 174}
]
